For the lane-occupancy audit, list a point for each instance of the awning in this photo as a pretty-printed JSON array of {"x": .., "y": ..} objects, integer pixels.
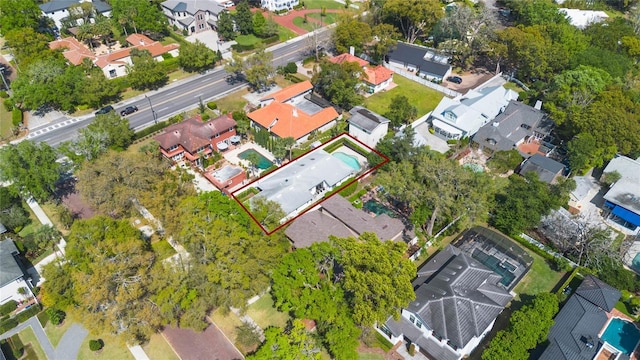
[
  {"x": 222, "y": 146},
  {"x": 446, "y": 127},
  {"x": 235, "y": 139},
  {"x": 626, "y": 215}
]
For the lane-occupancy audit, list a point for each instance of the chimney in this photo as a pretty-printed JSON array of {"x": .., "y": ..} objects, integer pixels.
[
  {"x": 295, "y": 112},
  {"x": 352, "y": 50}
]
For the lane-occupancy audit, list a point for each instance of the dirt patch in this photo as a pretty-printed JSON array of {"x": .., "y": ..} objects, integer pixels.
[
  {"x": 70, "y": 197},
  {"x": 206, "y": 345},
  {"x": 391, "y": 355}
]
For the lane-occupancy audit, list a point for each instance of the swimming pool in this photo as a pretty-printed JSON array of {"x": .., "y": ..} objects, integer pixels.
[
  {"x": 348, "y": 159},
  {"x": 263, "y": 162},
  {"x": 377, "y": 208},
  {"x": 635, "y": 263},
  {"x": 496, "y": 265},
  {"x": 622, "y": 335}
]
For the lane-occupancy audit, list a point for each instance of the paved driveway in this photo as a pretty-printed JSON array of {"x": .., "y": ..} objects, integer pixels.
[
  {"x": 69, "y": 345},
  {"x": 210, "y": 38},
  {"x": 211, "y": 344}
]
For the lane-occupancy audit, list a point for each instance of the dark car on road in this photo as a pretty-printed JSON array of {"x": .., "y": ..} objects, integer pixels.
[
  {"x": 455, "y": 79},
  {"x": 129, "y": 110},
  {"x": 105, "y": 110}
]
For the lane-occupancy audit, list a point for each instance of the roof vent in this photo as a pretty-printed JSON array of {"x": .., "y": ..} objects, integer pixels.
[{"x": 496, "y": 124}]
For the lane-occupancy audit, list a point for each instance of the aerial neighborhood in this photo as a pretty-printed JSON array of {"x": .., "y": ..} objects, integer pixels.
[{"x": 320, "y": 179}]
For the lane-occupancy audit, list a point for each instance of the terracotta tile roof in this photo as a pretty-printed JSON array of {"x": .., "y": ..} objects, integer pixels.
[
  {"x": 138, "y": 41},
  {"x": 75, "y": 51},
  {"x": 193, "y": 134},
  {"x": 289, "y": 92},
  {"x": 377, "y": 75},
  {"x": 346, "y": 57},
  {"x": 285, "y": 120}
]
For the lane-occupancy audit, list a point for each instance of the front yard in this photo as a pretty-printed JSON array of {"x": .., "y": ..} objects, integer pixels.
[
  {"x": 423, "y": 98},
  {"x": 265, "y": 315}
]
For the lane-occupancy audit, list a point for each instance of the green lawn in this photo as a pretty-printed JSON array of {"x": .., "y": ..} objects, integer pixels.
[
  {"x": 114, "y": 348},
  {"x": 247, "y": 40},
  {"x": 329, "y": 18},
  {"x": 32, "y": 226},
  {"x": 299, "y": 22},
  {"x": 423, "y": 98},
  {"x": 513, "y": 86},
  {"x": 265, "y": 315},
  {"x": 370, "y": 356},
  {"x": 285, "y": 33},
  {"x": 319, "y": 4},
  {"x": 159, "y": 349},
  {"x": 233, "y": 101},
  {"x": 54, "y": 333},
  {"x": 28, "y": 337},
  {"x": 5, "y": 122},
  {"x": 540, "y": 278},
  {"x": 163, "y": 249},
  {"x": 52, "y": 210}
]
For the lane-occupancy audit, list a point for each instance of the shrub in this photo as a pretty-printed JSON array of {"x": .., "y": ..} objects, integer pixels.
[
  {"x": 350, "y": 189},
  {"x": 8, "y": 307},
  {"x": 271, "y": 39},
  {"x": 8, "y": 325},
  {"x": 294, "y": 79},
  {"x": 16, "y": 116},
  {"x": 4, "y": 94},
  {"x": 55, "y": 316},
  {"x": 206, "y": 117},
  {"x": 212, "y": 105},
  {"x": 9, "y": 104},
  {"x": 17, "y": 347},
  {"x": 412, "y": 349},
  {"x": 291, "y": 68},
  {"x": 167, "y": 56},
  {"x": 243, "y": 48},
  {"x": 95, "y": 345},
  {"x": 27, "y": 314}
]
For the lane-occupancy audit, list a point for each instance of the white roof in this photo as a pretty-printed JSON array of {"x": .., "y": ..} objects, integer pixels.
[
  {"x": 626, "y": 191},
  {"x": 626, "y": 167},
  {"x": 583, "y": 18}
]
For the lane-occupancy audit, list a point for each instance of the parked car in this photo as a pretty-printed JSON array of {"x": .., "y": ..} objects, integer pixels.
[
  {"x": 129, "y": 110},
  {"x": 105, "y": 110},
  {"x": 455, "y": 79}
]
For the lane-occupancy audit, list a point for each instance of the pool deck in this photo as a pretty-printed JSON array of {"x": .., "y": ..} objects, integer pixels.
[
  {"x": 615, "y": 313},
  {"x": 629, "y": 256},
  {"x": 232, "y": 155},
  {"x": 345, "y": 150}
]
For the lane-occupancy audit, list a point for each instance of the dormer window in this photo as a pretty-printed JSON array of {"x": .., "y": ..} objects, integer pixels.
[
  {"x": 491, "y": 141},
  {"x": 449, "y": 115}
]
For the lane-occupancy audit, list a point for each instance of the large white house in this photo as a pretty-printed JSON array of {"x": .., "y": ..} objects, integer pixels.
[
  {"x": 277, "y": 5},
  {"x": 58, "y": 10},
  {"x": 464, "y": 115},
  {"x": 192, "y": 16},
  {"x": 12, "y": 274}
]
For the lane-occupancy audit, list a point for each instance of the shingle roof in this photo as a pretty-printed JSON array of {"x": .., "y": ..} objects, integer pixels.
[
  {"x": 366, "y": 119},
  {"x": 193, "y": 134},
  {"x": 193, "y": 6},
  {"x": 459, "y": 300},
  {"x": 8, "y": 264},
  {"x": 286, "y": 120},
  {"x": 415, "y": 55},
  {"x": 598, "y": 292},
  {"x": 547, "y": 169},
  {"x": 57, "y": 5},
  {"x": 313, "y": 227},
  {"x": 289, "y": 92},
  {"x": 515, "y": 123}
]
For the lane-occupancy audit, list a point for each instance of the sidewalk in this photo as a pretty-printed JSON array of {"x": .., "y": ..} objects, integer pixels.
[{"x": 38, "y": 331}]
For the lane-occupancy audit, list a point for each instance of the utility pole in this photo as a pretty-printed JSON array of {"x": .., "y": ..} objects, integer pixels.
[{"x": 155, "y": 116}]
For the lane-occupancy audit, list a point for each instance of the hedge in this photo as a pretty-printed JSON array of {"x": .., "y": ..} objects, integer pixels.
[
  {"x": 566, "y": 283},
  {"x": 8, "y": 325},
  {"x": 17, "y": 347},
  {"x": 533, "y": 248},
  {"x": 294, "y": 79},
  {"x": 16, "y": 116},
  {"x": 157, "y": 127},
  {"x": 350, "y": 189},
  {"x": 8, "y": 307},
  {"x": 27, "y": 314},
  {"x": 212, "y": 105},
  {"x": 243, "y": 48},
  {"x": 4, "y": 94}
]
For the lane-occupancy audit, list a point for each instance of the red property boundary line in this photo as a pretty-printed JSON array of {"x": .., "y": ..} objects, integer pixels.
[{"x": 344, "y": 134}]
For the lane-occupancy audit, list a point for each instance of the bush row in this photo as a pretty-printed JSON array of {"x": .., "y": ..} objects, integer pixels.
[
  {"x": 16, "y": 116},
  {"x": 8, "y": 307},
  {"x": 294, "y": 79},
  {"x": 30, "y": 312},
  {"x": 349, "y": 190},
  {"x": 157, "y": 127}
]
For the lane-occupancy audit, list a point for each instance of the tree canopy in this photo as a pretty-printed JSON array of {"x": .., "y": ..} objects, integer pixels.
[
  {"x": 145, "y": 73},
  {"x": 139, "y": 15},
  {"x": 196, "y": 56},
  {"x": 339, "y": 83},
  {"x": 19, "y": 14},
  {"x": 415, "y": 18}
]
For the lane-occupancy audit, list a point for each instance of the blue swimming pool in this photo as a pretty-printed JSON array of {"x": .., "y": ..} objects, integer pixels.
[
  {"x": 348, "y": 159},
  {"x": 635, "y": 263},
  {"x": 622, "y": 335},
  {"x": 263, "y": 162}
]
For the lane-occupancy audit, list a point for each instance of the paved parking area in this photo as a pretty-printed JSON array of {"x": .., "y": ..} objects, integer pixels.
[
  {"x": 210, "y": 38},
  {"x": 206, "y": 345}
]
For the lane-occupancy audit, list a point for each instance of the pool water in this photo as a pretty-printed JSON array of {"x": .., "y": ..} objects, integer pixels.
[
  {"x": 348, "y": 159},
  {"x": 622, "y": 335},
  {"x": 263, "y": 162},
  {"x": 635, "y": 263},
  {"x": 377, "y": 208},
  {"x": 494, "y": 263}
]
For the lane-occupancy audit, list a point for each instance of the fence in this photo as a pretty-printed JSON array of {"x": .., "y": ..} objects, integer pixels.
[
  {"x": 545, "y": 248},
  {"x": 427, "y": 83}
]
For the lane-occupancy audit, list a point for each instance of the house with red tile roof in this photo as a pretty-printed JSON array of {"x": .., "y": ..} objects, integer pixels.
[
  {"x": 113, "y": 63},
  {"x": 194, "y": 139},
  {"x": 293, "y": 112},
  {"x": 374, "y": 78}
]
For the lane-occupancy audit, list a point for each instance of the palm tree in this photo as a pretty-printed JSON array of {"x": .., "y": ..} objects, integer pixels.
[{"x": 86, "y": 32}]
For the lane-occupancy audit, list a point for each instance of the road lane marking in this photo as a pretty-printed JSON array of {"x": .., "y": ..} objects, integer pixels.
[
  {"x": 164, "y": 108},
  {"x": 173, "y": 92}
]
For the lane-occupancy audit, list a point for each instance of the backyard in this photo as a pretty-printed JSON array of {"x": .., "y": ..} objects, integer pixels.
[
  {"x": 423, "y": 98},
  {"x": 265, "y": 315},
  {"x": 540, "y": 278}
]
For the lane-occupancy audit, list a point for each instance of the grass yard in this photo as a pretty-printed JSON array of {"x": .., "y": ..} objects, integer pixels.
[
  {"x": 247, "y": 40},
  {"x": 299, "y": 22},
  {"x": 265, "y": 314},
  {"x": 513, "y": 86},
  {"x": 162, "y": 249},
  {"x": 34, "y": 350},
  {"x": 370, "y": 356},
  {"x": 114, "y": 348},
  {"x": 5, "y": 122},
  {"x": 226, "y": 323},
  {"x": 54, "y": 333},
  {"x": 423, "y": 98},
  {"x": 329, "y": 18},
  {"x": 233, "y": 101},
  {"x": 285, "y": 34},
  {"x": 540, "y": 278},
  {"x": 319, "y": 4},
  {"x": 52, "y": 210},
  {"x": 159, "y": 349}
]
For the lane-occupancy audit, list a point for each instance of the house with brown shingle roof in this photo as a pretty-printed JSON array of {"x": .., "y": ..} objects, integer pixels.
[
  {"x": 374, "y": 78},
  {"x": 193, "y": 139},
  {"x": 293, "y": 112},
  {"x": 113, "y": 63}
]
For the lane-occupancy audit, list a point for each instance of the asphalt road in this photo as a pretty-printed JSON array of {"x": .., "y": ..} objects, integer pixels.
[{"x": 174, "y": 98}]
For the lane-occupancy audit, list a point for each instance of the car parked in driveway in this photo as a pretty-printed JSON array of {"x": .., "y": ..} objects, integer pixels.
[
  {"x": 129, "y": 110},
  {"x": 105, "y": 110},
  {"x": 455, "y": 79}
]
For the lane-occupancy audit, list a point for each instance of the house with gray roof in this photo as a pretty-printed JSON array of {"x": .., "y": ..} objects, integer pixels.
[
  {"x": 518, "y": 123},
  {"x": 425, "y": 62},
  {"x": 338, "y": 217},
  {"x": 304, "y": 181},
  {"x": 464, "y": 115},
  {"x": 192, "y": 16},
  {"x": 367, "y": 126},
  {"x": 623, "y": 198},
  {"x": 575, "y": 334},
  {"x": 59, "y": 10},
  {"x": 457, "y": 302},
  {"x": 12, "y": 273},
  {"x": 548, "y": 170}
]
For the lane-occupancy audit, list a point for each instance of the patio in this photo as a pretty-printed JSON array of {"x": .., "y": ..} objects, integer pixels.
[{"x": 231, "y": 155}]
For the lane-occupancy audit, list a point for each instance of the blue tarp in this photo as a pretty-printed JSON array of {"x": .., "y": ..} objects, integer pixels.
[{"x": 626, "y": 215}]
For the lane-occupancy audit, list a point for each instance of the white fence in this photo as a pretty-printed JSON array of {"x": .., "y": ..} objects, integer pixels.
[{"x": 427, "y": 83}]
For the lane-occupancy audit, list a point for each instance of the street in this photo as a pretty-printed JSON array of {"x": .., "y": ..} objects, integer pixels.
[{"x": 174, "y": 98}]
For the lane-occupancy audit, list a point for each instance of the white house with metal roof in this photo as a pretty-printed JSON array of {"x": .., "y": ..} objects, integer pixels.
[
  {"x": 464, "y": 115},
  {"x": 275, "y": 5},
  {"x": 12, "y": 275},
  {"x": 58, "y": 10},
  {"x": 192, "y": 16},
  {"x": 623, "y": 198},
  {"x": 367, "y": 126}
]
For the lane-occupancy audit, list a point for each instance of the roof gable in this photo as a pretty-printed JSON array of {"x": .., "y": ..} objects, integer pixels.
[
  {"x": 547, "y": 169},
  {"x": 286, "y": 120},
  {"x": 346, "y": 57},
  {"x": 289, "y": 92},
  {"x": 421, "y": 57},
  {"x": 366, "y": 119},
  {"x": 193, "y": 134},
  {"x": 598, "y": 292}
]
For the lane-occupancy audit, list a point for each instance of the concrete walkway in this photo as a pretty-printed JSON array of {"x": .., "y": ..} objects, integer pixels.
[
  {"x": 247, "y": 319},
  {"x": 40, "y": 335},
  {"x": 138, "y": 353}
]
